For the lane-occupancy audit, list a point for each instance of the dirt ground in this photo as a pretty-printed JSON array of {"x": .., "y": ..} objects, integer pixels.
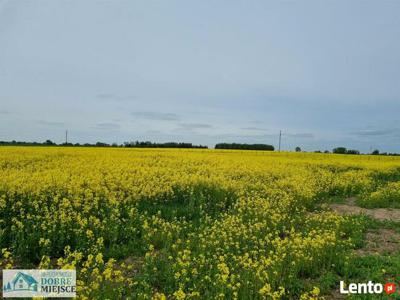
[
  {"x": 382, "y": 214},
  {"x": 380, "y": 242}
]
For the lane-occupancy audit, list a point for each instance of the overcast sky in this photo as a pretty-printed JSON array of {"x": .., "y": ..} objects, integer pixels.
[{"x": 325, "y": 72}]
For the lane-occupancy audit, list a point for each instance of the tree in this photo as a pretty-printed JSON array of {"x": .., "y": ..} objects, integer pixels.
[
  {"x": 298, "y": 149},
  {"x": 49, "y": 142},
  {"x": 375, "y": 152},
  {"x": 356, "y": 152},
  {"x": 340, "y": 150},
  {"x": 244, "y": 146},
  {"x": 101, "y": 144}
]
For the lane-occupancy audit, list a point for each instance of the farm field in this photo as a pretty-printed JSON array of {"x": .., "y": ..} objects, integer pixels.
[{"x": 201, "y": 224}]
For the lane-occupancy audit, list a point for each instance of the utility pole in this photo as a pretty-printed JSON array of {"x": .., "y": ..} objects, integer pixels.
[
  {"x": 66, "y": 137},
  {"x": 280, "y": 138}
]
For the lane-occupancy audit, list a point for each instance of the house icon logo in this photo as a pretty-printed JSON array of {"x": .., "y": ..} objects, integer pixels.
[{"x": 21, "y": 282}]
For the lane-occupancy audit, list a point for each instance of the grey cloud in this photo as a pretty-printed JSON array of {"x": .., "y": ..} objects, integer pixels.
[
  {"x": 275, "y": 72},
  {"x": 107, "y": 126},
  {"x": 254, "y": 128},
  {"x": 114, "y": 97},
  {"x": 126, "y": 98},
  {"x": 244, "y": 136},
  {"x": 4, "y": 112},
  {"x": 301, "y": 135},
  {"x": 153, "y": 132},
  {"x": 105, "y": 96},
  {"x": 376, "y": 132},
  {"x": 155, "y": 116},
  {"x": 191, "y": 126},
  {"x": 50, "y": 123}
]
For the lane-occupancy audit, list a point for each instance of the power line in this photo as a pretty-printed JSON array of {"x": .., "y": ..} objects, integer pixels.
[{"x": 280, "y": 138}]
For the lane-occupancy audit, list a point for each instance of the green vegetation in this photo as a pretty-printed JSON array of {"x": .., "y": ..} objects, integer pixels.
[
  {"x": 245, "y": 146},
  {"x": 191, "y": 224}
]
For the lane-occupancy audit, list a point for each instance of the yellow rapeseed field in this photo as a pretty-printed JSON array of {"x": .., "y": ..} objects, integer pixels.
[{"x": 186, "y": 224}]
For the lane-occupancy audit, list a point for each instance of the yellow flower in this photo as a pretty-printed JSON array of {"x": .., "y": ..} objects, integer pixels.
[
  {"x": 179, "y": 294},
  {"x": 99, "y": 258},
  {"x": 159, "y": 296},
  {"x": 316, "y": 291}
]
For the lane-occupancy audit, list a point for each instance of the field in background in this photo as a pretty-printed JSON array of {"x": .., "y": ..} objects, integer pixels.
[{"x": 196, "y": 224}]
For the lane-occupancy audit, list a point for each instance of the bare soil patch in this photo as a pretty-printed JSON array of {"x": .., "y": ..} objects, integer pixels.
[
  {"x": 380, "y": 242},
  {"x": 377, "y": 242},
  {"x": 382, "y": 214}
]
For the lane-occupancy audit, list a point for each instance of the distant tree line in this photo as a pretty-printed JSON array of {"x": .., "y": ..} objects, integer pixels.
[
  {"x": 148, "y": 144},
  {"x": 136, "y": 144},
  {"x": 344, "y": 150},
  {"x": 376, "y": 152},
  {"x": 245, "y": 146},
  {"x": 20, "y": 143}
]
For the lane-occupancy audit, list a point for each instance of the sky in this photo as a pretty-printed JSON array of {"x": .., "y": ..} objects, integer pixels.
[{"x": 326, "y": 73}]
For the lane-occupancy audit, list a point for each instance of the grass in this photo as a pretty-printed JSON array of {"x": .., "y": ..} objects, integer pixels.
[{"x": 379, "y": 268}]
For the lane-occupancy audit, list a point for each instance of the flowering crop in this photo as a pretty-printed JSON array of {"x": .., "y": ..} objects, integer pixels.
[{"x": 181, "y": 224}]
